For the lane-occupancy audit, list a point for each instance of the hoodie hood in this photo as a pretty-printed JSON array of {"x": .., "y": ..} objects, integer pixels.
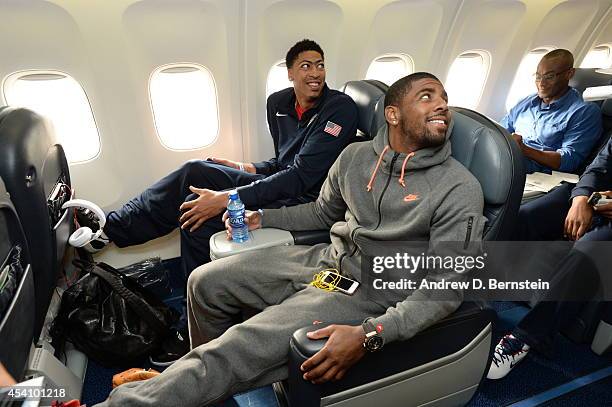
[{"x": 420, "y": 159}]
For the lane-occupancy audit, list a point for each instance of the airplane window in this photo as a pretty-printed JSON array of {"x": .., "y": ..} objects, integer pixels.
[
  {"x": 184, "y": 103},
  {"x": 62, "y": 100},
  {"x": 389, "y": 68},
  {"x": 598, "y": 57},
  {"x": 277, "y": 78},
  {"x": 524, "y": 84},
  {"x": 466, "y": 78}
]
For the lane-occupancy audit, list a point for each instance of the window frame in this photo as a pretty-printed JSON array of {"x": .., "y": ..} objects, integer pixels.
[
  {"x": 184, "y": 65},
  {"x": 487, "y": 59},
  {"x": 406, "y": 58},
  {"x": 275, "y": 65},
  {"x": 18, "y": 75},
  {"x": 609, "y": 62}
]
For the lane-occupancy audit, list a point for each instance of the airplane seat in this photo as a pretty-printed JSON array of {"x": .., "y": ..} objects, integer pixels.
[
  {"x": 16, "y": 290},
  {"x": 484, "y": 155},
  {"x": 369, "y": 97},
  {"x": 589, "y": 78},
  {"x": 429, "y": 369},
  {"x": 35, "y": 171}
]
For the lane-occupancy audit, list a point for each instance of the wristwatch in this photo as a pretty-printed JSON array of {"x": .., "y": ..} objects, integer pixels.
[{"x": 373, "y": 339}]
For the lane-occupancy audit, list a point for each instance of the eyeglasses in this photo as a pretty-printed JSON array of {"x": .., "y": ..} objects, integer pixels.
[{"x": 548, "y": 76}]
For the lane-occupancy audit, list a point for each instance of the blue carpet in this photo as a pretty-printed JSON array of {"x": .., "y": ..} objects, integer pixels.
[
  {"x": 562, "y": 390},
  {"x": 597, "y": 394},
  {"x": 536, "y": 374}
]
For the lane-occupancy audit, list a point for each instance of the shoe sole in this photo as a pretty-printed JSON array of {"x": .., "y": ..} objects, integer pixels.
[{"x": 161, "y": 364}]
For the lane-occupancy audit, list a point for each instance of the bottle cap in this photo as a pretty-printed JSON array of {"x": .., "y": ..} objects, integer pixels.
[{"x": 233, "y": 194}]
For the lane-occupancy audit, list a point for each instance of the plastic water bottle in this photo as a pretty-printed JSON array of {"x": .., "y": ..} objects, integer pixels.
[{"x": 235, "y": 209}]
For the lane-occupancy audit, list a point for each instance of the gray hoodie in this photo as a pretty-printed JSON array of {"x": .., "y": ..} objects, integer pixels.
[{"x": 373, "y": 194}]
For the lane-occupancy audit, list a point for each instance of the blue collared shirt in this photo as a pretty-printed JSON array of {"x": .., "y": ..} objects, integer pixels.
[{"x": 568, "y": 125}]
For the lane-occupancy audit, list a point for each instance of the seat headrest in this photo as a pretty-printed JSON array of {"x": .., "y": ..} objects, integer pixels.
[
  {"x": 606, "y": 108},
  {"x": 369, "y": 97},
  {"x": 4, "y": 111},
  {"x": 589, "y": 77},
  {"x": 481, "y": 146}
]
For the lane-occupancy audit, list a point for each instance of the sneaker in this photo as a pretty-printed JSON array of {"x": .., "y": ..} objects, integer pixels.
[
  {"x": 173, "y": 348},
  {"x": 85, "y": 217},
  {"x": 508, "y": 353},
  {"x": 133, "y": 375}
]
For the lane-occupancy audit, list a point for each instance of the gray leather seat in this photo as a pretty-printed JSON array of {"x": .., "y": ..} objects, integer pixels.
[
  {"x": 369, "y": 96},
  {"x": 33, "y": 166},
  {"x": 589, "y": 77},
  {"x": 486, "y": 149}
]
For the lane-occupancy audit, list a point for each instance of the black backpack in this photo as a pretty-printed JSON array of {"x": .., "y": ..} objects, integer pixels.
[{"x": 111, "y": 318}]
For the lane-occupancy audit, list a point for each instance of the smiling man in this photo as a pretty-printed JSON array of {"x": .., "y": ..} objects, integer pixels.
[
  {"x": 310, "y": 125},
  {"x": 362, "y": 200},
  {"x": 555, "y": 128}
]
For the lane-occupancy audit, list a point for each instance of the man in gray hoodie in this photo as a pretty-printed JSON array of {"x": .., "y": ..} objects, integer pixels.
[{"x": 401, "y": 186}]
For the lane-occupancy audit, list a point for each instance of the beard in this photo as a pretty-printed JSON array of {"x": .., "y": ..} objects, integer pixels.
[{"x": 424, "y": 138}]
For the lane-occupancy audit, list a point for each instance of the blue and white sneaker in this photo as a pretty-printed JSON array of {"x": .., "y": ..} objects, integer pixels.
[{"x": 508, "y": 353}]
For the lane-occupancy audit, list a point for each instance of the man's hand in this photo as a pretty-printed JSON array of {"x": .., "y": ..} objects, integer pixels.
[
  {"x": 343, "y": 349},
  {"x": 551, "y": 159},
  {"x": 519, "y": 140},
  {"x": 578, "y": 218},
  {"x": 209, "y": 203},
  {"x": 248, "y": 167},
  {"x": 605, "y": 210},
  {"x": 251, "y": 218}
]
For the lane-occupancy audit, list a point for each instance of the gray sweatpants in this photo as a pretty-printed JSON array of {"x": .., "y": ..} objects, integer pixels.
[{"x": 229, "y": 357}]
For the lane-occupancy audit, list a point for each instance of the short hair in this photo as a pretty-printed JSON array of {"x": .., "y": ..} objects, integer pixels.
[
  {"x": 402, "y": 86},
  {"x": 562, "y": 54},
  {"x": 299, "y": 47}
]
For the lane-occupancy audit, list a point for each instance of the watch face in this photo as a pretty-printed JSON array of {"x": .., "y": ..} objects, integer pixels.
[{"x": 374, "y": 343}]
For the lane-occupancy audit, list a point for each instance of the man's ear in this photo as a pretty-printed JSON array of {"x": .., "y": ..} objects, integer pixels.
[
  {"x": 570, "y": 73},
  {"x": 392, "y": 115},
  {"x": 289, "y": 75}
]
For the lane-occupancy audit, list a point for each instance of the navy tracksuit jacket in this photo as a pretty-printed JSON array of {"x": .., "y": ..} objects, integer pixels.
[
  {"x": 543, "y": 219},
  {"x": 304, "y": 151}
]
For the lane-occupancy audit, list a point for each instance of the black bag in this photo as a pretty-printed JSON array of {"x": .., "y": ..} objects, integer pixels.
[{"x": 111, "y": 318}]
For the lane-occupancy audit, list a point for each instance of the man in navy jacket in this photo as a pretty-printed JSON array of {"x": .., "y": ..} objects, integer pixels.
[
  {"x": 310, "y": 125},
  {"x": 584, "y": 223}
]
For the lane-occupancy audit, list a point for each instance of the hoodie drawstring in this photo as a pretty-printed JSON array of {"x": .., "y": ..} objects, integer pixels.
[
  {"x": 369, "y": 186},
  {"x": 401, "y": 179}
]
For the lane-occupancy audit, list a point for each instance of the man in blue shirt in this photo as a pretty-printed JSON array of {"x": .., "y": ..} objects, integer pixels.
[{"x": 555, "y": 128}]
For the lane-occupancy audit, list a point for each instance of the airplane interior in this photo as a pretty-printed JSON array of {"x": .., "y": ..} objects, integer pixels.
[{"x": 101, "y": 99}]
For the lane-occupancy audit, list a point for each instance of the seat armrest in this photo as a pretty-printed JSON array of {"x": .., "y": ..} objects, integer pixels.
[
  {"x": 311, "y": 237},
  {"x": 220, "y": 247},
  {"x": 443, "y": 339}
]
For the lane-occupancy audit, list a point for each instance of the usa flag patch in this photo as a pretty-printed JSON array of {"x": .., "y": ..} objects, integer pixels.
[{"x": 332, "y": 128}]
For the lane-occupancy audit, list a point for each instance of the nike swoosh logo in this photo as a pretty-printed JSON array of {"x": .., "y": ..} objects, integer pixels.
[{"x": 281, "y": 114}]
